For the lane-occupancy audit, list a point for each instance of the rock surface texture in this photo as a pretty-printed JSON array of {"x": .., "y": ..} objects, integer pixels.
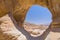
[
  {"x": 8, "y": 31},
  {"x": 35, "y": 30},
  {"x": 18, "y": 9}
]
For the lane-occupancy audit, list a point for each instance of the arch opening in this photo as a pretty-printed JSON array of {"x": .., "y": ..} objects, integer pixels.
[{"x": 37, "y": 20}]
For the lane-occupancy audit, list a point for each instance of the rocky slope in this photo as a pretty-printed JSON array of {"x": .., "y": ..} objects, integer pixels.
[
  {"x": 8, "y": 30},
  {"x": 35, "y": 30}
]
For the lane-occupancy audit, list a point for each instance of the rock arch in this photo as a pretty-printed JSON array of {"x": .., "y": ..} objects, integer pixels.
[{"x": 19, "y": 8}]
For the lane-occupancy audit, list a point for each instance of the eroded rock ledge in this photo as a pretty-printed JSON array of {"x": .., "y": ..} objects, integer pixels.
[
  {"x": 8, "y": 30},
  {"x": 19, "y": 8}
]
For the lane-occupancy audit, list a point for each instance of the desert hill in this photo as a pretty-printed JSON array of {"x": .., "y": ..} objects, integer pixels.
[{"x": 35, "y": 30}]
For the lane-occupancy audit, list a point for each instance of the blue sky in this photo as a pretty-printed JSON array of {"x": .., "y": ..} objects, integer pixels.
[{"x": 38, "y": 15}]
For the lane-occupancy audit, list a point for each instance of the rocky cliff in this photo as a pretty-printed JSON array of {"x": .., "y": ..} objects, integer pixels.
[{"x": 19, "y": 8}]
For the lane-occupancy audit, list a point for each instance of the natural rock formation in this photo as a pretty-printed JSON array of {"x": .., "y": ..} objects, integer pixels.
[
  {"x": 19, "y": 8},
  {"x": 53, "y": 35},
  {"x": 35, "y": 30},
  {"x": 8, "y": 30}
]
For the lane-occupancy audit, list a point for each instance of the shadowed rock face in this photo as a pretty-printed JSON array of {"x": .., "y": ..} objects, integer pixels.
[{"x": 19, "y": 8}]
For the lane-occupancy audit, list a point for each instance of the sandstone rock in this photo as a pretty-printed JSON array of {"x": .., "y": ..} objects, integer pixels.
[
  {"x": 54, "y": 35},
  {"x": 19, "y": 9},
  {"x": 34, "y": 30},
  {"x": 8, "y": 30}
]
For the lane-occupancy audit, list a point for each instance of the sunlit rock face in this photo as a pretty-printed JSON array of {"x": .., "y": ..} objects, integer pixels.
[
  {"x": 19, "y": 8},
  {"x": 54, "y": 34},
  {"x": 8, "y": 30}
]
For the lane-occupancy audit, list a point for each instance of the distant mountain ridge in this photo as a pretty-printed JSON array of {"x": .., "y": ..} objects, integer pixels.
[
  {"x": 35, "y": 30},
  {"x": 34, "y": 25}
]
